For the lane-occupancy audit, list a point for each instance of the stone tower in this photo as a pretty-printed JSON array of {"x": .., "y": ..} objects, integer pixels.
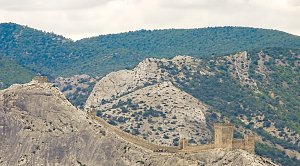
[
  {"x": 250, "y": 143},
  {"x": 223, "y": 135},
  {"x": 183, "y": 143}
]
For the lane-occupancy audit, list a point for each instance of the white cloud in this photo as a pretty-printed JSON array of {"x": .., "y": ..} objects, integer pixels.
[
  {"x": 77, "y": 19},
  {"x": 294, "y": 2},
  {"x": 46, "y": 5}
]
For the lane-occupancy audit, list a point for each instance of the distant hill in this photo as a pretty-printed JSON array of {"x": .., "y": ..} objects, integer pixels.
[
  {"x": 12, "y": 72},
  {"x": 54, "y": 55},
  {"x": 36, "y": 50}
]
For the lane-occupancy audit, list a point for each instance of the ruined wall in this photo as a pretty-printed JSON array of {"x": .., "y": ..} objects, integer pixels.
[
  {"x": 250, "y": 143},
  {"x": 224, "y": 139},
  {"x": 135, "y": 140},
  {"x": 247, "y": 144},
  {"x": 238, "y": 144},
  {"x": 197, "y": 148},
  {"x": 40, "y": 79}
]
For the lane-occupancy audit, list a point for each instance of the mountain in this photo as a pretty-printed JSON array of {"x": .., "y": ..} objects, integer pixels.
[
  {"x": 54, "y": 55},
  {"x": 142, "y": 102},
  {"x": 257, "y": 91},
  {"x": 38, "y": 51},
  {"x": 38, "y": 126}
]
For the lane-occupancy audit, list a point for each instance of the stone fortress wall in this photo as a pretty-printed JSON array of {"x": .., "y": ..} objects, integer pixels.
[{"x": 223, "y": 140}]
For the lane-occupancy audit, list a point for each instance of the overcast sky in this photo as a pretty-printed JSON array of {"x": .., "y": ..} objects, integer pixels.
[{"x": 84, "y": 18}]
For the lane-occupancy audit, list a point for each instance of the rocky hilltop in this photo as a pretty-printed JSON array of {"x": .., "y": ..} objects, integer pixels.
[
  {"x": 147, "y": 72},
  {"x": 38, "y": 126},
  {"x": 144, "y": 102}
]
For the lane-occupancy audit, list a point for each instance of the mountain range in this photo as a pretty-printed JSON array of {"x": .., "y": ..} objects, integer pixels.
[
  {"x": 161, "y": 85},
  {"x": 49, "y": 54}
]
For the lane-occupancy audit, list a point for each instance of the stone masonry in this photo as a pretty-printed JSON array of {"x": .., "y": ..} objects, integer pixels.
[
  {"x": 40, "y": 79},
  {"x": 224, "y": 140}
]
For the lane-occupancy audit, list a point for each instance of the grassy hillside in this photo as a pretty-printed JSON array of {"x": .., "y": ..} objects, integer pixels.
[{"x": 54, "y": 55}]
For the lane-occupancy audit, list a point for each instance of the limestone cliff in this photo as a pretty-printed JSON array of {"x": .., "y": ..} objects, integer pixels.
[{"x": 38, "y": 126}]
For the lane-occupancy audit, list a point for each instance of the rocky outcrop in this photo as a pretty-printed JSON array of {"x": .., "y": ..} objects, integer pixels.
[
  {"x": 147, "y": 72},
  {"x": 238, "y": 65},
  {"x": 143, "y": 101},
  {"x": 38, "y": 126},
  {"x": 125, "y": 81}
]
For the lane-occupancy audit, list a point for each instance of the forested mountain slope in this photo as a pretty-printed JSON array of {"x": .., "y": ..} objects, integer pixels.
[
  {"x": 54, "y": 55},
  {"x": 12, "y": 72}
]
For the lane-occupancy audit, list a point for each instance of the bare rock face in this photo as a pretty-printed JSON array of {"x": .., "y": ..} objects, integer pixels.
[
  {"x": 38, "y": 126},
  {"x": 124, "y": 81},
  {"x": 147, "y": 72}
]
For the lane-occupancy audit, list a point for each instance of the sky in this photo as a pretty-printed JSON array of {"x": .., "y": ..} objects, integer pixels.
[{"x": 78, "y": 19}]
